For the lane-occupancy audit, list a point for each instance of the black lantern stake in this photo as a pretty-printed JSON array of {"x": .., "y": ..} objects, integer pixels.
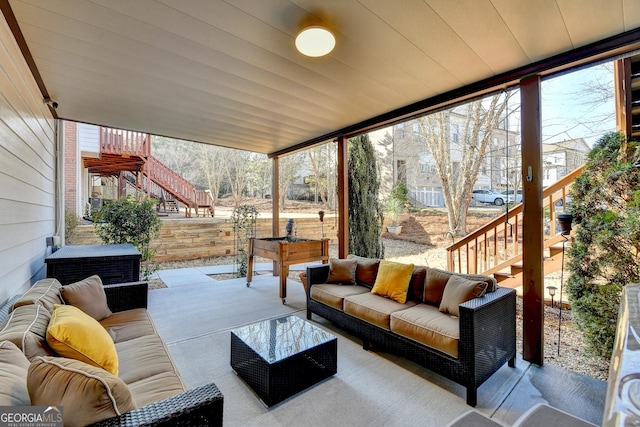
[{"x": 565, "y": 221}]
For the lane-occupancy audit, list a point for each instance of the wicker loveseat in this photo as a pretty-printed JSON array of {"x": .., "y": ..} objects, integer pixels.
[
  {"x": 467, "y": 348},
  {"x": 140, "y": 387}
]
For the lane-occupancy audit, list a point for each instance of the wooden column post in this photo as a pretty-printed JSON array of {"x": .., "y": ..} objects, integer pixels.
[
  {"x": 275, "y": 204},
  {"x": 532, "y": 218},
  {"x": 622, "y": 86},
  {"x": 343, "y": 197}
]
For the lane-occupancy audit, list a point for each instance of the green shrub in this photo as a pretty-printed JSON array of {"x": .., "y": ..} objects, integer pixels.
[
  {"x": 604, "y": 257},
  {"x": 129, "y": 220}
]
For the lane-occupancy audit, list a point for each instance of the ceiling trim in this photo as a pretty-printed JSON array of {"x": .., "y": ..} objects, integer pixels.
[
  {"x": 12, "y": 22},
  {"x": 557, "y": 64}
]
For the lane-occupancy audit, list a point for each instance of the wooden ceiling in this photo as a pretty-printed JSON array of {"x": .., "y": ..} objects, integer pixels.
[{"x": 226, "y": 72}]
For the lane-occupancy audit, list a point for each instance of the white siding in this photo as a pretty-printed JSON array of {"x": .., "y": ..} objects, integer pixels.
[
  {"x": 89, "y": 139},
  {"x": 27, "y": 172}
]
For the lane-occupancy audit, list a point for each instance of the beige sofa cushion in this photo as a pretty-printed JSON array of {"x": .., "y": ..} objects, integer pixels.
[
  {"x": 459, "y": 290},
  {"x": 88, "y": 295},
  {"x": 157, "y": 387},
  {"x": 144, "y": 357},
  {"x": 373, "y": 308},
  {"x": 13, "y": 376},
  {"x": 334, "y": 295},
  {"x": 26, "y": 327},
  {"x": 129, "y": 324},
  {"x": 427, "y": 325},
  {"x": 437, "y": 280},
  {"x": 45, "y": 292},
  {"x": 88, "y": 394}
]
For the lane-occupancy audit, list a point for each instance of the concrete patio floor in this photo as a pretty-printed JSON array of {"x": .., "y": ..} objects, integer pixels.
[{"x": 181, "y": 312}]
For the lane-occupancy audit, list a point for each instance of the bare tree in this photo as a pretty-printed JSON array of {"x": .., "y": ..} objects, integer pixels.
[
  {"x": 236, "y": 167},
  {"x": 212, "y": 161},
  {"x": 290, "y": 167},
  {"x": 458, "y": 163}
]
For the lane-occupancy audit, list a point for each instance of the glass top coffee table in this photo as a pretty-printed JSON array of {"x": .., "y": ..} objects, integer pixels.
[{"x": 280, "y": 357}]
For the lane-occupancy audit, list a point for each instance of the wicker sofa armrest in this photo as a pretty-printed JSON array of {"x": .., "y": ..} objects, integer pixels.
[
  {"x": 126, "y": 296},
  {"x": 488, "y": 331},
  {"x": 316, "y": 275},
  {"x": 200, "y": 406}
]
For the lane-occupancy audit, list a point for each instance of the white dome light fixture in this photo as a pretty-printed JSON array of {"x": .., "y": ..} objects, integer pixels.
[{"x": 315, "y": 41}]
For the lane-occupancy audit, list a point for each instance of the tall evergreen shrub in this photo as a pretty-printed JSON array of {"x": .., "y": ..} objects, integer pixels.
[
  {"x": 365, "y": 210},
  {"x": 605, "y": 255}
]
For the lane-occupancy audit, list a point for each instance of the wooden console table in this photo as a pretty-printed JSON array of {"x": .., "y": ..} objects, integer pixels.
[{"x": 284, "y": 253}]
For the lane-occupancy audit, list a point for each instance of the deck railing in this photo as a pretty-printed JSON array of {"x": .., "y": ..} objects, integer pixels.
[
  {"x": 498, "y": 244},
  {"x": 124, "y": 142}
]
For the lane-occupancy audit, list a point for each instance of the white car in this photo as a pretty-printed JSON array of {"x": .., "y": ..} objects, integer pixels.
[
  {"x": 518, "y": 198},
  {"x": 491, "y": 196}
]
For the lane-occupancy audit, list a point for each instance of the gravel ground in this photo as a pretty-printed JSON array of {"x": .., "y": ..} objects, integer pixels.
[{"x": 572, "y": 357}]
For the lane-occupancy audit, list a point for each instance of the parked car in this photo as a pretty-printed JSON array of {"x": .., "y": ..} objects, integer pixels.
[
  {"x": 518, "y": 195},
  {"x": 491, "y": 196}
]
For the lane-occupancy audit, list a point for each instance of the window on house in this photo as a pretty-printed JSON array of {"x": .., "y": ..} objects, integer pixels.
[
  {"x": 426, "y": 162},
  {"x": 454, "y": 133}
]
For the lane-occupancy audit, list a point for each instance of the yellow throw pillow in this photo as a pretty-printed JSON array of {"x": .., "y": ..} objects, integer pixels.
[
  {"x": 393, "y": 280},
  {"x": 74, "y": 334}
]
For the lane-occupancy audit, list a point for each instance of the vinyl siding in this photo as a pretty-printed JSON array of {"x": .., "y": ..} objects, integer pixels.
[{"x": 27, "y": 172}]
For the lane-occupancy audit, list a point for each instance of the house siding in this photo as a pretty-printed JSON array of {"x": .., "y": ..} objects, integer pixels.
[{"x": 27, "y": 172}]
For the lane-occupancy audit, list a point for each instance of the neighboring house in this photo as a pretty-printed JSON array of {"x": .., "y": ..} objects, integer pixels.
[
  {"x": 562, "y": 157},
  {"x": 415, "y": 166}
]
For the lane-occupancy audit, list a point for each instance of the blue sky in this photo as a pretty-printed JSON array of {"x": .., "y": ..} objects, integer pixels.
[{"x": 569, "y": 107}]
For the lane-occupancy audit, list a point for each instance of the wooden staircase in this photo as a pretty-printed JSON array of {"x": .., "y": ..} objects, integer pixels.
[
  {"x": 127, "y": 154},
  {"x": 496, "y": 248}
]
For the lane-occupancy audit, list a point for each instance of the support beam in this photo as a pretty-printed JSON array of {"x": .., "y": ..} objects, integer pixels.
[
  {"x": 532, "y": 219},
  {"x": 343, "y": 197},
  {"x": 622, "y": 85},
  {"x": 275, "y": 197}
]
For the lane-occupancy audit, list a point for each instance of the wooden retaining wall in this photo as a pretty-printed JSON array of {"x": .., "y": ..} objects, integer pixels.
[{"x": 196, "y": 238}]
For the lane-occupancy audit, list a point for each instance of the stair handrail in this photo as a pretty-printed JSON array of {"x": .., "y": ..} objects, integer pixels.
[
  {"x": 505, "y": 230},
  {"x": 172, "y": 182}
]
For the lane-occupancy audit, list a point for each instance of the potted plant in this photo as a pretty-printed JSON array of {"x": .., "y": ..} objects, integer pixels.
[{"x": 395, "y": 206}]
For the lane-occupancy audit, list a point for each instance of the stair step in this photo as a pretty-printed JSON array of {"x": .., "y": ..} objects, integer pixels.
[{"x": 500, "y": 276}]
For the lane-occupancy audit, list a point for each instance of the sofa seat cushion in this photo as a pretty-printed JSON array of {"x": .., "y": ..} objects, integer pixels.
[
  {"x": 129, "y": 324},
  {"x": 143, "y": 357},
  {"x": 87, "y": 393},
  {"x": 155, "y": 388},
  {"x": 13, "y": 376},
  {"x": 374, "y": 309},
  {"x": 45, "y": 292},
  {"x": 26, "y": 327},
  {"x": 334, "y": 295},
  {"x": 427, "y": 325}
]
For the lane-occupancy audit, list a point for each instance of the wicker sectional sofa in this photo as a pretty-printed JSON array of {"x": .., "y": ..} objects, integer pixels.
[
  {"x": 40, "y": 365},
  {"x": 467, "y": 347}
]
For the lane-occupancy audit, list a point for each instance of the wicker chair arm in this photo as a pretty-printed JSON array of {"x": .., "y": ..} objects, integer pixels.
[
  {"x": 200, "y": 406},
  {"x": 487, "y": 324},
  {"x": 126, "y": 296},
  {"x": 316, "y": 275}
]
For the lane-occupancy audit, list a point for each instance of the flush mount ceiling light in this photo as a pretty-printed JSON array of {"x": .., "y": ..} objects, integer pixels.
[{"x": 315, "y": 41}]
